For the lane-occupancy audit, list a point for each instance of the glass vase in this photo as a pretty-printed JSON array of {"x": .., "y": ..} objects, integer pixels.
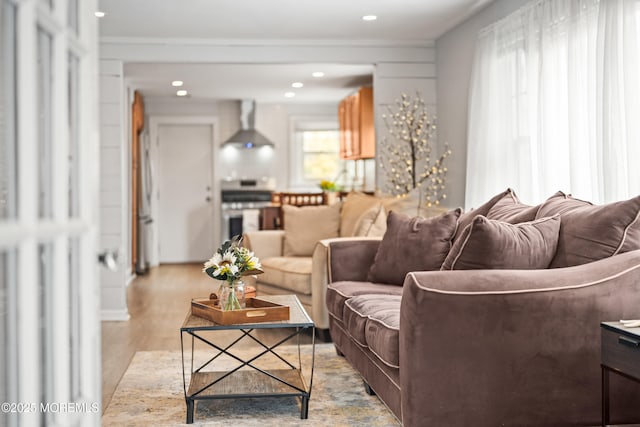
[{"x": 231, "y": 295}]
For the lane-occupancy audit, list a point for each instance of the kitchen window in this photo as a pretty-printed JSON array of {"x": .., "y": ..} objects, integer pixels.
[
  {"x": 314, "y": 153},
  {"x": 320, "y": 154}
]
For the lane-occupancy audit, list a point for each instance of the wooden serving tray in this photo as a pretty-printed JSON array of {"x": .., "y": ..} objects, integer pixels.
[{"x": 257, "y": 311}]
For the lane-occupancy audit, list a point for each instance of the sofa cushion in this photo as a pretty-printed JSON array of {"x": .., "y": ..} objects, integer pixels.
[
  {"x": 510, "y": 209},
  {"x": 591, "y": 232},
  {"x": 466, "y": 218},
  {"x": 383, "y": 334},
  {"x": 339, "y": 292},
  {"x": 489, "y": 244},
  {"x": 292, "y": 273},
  {"x": 375, "y": 319},
  {"x": 412, "y": 244},
  {"x": 305, "y": 226}
]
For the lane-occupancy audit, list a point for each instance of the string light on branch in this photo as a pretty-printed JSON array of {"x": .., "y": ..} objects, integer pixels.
[{"x": 407, "y": 158}]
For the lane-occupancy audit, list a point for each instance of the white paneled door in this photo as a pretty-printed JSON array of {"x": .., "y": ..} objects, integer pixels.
[
  {"x": 49, "y": 326},
  {"x": 185, "y": 192}
]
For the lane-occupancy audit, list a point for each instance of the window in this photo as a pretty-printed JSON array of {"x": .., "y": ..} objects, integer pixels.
[
  {"x": 315, "y": 154},
  {"x": 554, "y": 101},
  {"x": 7, "y": 112},
  {"x": 320, "y": 155}
]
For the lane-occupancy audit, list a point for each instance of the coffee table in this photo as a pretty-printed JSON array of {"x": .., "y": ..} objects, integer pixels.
[{"x": 254, "y": 382}]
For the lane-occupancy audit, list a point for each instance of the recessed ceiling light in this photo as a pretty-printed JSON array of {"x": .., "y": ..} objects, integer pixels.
[
  {"x": 369, "y": 17},
  {"x": 297, "y": 85},
  {"x": 182, "y": 92},
  {"x": 99, "y": 14},
  {"x": 289, "y": 94},
  {"x": 317, "y": 74},
  {"x": 177, "y": 83}
]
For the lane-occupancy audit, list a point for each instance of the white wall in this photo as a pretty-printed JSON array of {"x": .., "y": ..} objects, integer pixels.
[
  {"x": 391, "y": 80},
  {"x": 454, "y": 60},
  {"x": 114, "y": 194}
]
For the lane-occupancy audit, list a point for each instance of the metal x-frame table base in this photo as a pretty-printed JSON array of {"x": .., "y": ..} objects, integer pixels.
[{"x": 287, "y": 382}]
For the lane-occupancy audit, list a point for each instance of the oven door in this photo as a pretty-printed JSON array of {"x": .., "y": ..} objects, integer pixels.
[{"x": 231, "y": 223}]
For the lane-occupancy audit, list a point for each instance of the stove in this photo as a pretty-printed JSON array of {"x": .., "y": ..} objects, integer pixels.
[{"x": 241, "y": 203}]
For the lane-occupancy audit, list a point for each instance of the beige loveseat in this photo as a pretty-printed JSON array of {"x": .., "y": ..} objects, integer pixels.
[{"x": 294, "y": 260}]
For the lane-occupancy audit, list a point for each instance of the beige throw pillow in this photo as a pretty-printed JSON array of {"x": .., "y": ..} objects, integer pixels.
[
  {"x": 354, "y": 206},
  {"x": 372, "y": 223},
  {"x": 305, "y": 226}
]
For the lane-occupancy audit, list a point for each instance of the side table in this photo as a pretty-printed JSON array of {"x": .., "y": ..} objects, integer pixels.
[
  {"x": 620, "y": 354},
  {"x": 256, "y": 381}
]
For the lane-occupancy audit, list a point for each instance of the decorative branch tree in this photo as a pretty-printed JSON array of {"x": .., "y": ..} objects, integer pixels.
[{"x": 406, "y": 155}]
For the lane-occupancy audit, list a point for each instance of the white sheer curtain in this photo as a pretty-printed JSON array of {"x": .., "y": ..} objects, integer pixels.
[{"x": 555, "y": 103}]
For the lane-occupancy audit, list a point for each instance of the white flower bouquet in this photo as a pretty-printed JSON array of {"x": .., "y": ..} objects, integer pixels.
[{"x": 230, "y": 263}]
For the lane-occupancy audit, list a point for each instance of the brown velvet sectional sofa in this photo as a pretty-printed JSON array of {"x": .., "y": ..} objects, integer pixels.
[{"x": 504, "y": 327}]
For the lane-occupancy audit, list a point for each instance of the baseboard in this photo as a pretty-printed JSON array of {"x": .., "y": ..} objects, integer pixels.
[
  {"x": 130, "y": 276},
  {"x": 114, "y": 315}
]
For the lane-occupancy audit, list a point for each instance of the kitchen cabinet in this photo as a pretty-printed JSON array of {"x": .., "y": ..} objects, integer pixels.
[{"x": 357, "y": 133}]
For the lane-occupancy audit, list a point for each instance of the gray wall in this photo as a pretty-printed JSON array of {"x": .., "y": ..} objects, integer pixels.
[{"x": 454, "y": 60}]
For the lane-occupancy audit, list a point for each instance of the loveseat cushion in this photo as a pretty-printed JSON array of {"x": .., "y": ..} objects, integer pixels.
[
  {"x": 412, "y": 244},
  {"x": 291, "y": 273},
  {"x": 373, "y": 321},
  {"x": 510, "y": 209},
  {"x": 492, "y": 244},
  {"x": 339, "y": 292},
  {"x": 305, "y": 226},
  {"x": 591, "y": 232}
]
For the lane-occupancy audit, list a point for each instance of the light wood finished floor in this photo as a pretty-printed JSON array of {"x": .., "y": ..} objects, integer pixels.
[{"x": 158, "y": 304}]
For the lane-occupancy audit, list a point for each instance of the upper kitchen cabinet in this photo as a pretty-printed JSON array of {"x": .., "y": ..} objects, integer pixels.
[{"x": 357, "y": 133}]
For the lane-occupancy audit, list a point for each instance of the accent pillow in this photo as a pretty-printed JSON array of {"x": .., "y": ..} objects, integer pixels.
[
  {"x": 592, "y": 232},
  {"x": 372, "y": 223},
  {"x": 510, "y": 209},
  {"x": 493, "y": 244},
  {"x": 467, "y": 217},
  {"x": 353, "y": 207},
  {"x": 412, "y": 244},
  {"x": 305, "y": 226},
  {"x": 357, "y": 204}
]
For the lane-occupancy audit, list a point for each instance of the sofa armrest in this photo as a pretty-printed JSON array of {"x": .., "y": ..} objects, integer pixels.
[
  {"x": 351, "y": 258},
  {"x": 264, "y": 243},
  {"x": 513, "y": 347},
  {"x": 320, "y": 278}
]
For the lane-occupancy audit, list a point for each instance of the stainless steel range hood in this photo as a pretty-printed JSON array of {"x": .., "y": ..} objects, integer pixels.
[{"x": 248, "y": 136}]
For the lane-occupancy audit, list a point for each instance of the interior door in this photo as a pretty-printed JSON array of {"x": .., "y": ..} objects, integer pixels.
[
  {"x": 49, "y": 285},
  {"x": 185, "y": 192}
]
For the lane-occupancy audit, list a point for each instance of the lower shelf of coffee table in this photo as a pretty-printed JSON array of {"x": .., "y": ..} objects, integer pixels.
[{"x": 247, "y": 384}]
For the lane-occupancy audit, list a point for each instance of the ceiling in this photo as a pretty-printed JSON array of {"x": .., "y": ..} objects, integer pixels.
[{"x": 406, "y": 21}]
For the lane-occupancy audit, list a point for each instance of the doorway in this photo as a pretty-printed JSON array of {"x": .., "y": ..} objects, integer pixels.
[{"x": 185, "y": 193}]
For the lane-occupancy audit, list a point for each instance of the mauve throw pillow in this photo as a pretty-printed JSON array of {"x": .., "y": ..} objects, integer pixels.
[
  {"x": 510, "y": 209},
  {"x": 467, "y": 217},
  {"x": 412, "y": 244},
  {"x": 591, "y": 232},
  {"x": 493, "y": 244}
]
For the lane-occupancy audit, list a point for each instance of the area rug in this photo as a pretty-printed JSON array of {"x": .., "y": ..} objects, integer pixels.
[{"x": 151, "y": 394}]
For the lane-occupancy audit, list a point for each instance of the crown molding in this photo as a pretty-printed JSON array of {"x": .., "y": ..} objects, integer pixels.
[{"x": 264, "y": 42}]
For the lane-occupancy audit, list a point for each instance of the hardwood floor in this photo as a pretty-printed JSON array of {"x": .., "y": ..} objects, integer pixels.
[{"x": 158, "y": 304}]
